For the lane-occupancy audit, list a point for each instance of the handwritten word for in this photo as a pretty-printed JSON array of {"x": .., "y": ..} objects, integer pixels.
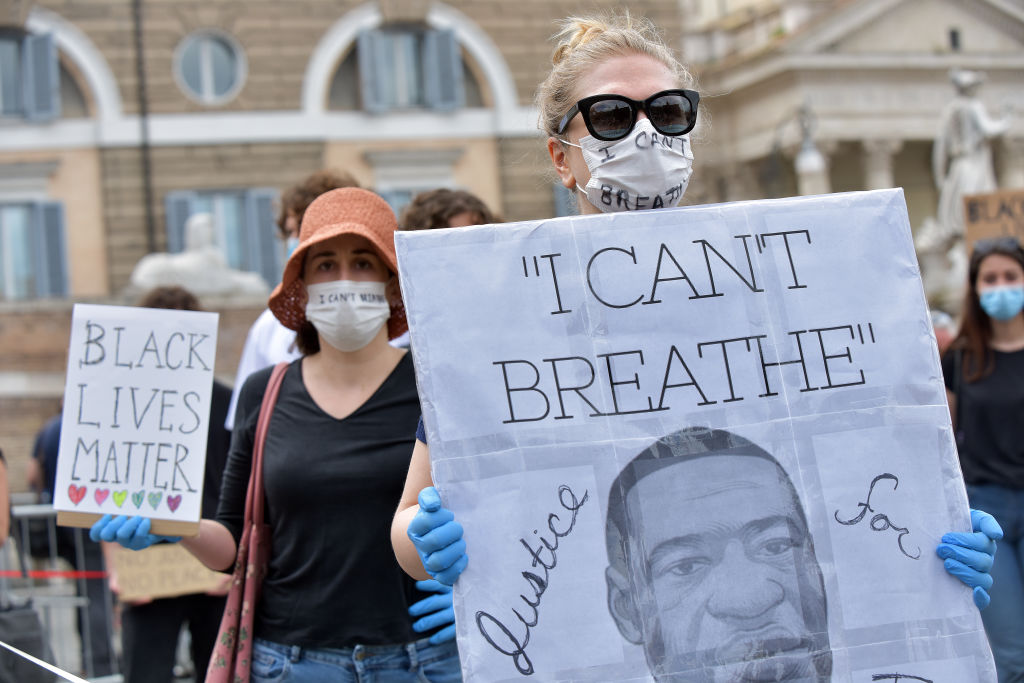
[{"x": 880, "y": 522}]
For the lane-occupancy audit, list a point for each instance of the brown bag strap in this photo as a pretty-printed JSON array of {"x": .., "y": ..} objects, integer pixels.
[{"x": 254, "y": 494}]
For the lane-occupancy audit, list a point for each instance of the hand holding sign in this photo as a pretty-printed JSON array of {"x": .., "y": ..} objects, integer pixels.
[
  {"x": 969, "y": 557},
  {"x": 438, "y": 538},
  {"x": 130, "y": 532}
]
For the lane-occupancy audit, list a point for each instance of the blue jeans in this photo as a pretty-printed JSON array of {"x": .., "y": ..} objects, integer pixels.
[
  {"x": 416, "y": 662},
  {"x": 1004, "y": 618}
]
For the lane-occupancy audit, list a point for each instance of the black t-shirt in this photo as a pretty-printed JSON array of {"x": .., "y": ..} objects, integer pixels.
[
  {"x": 332, "y": 487},
  {"x": 991, "y": 419}
]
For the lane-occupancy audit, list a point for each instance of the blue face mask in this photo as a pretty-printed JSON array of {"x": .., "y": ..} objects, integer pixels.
[
  {"x": 290, "y": 245},
  {"x": 1002, "y": 303}
]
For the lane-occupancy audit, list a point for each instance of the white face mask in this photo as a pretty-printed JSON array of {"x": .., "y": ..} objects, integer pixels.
[
  {"x": 347, "y": 314},
  {"x": 644, "y": 170}
]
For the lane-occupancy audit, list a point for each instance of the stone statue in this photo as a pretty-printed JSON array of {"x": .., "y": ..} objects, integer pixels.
[
  {"x": 961, "y": 165},
  {"x": 200, "y": 268},
  {"x": 961, "y": 156}
]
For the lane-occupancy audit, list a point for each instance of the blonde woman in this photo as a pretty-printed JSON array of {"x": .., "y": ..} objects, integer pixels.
[{"x": 616, "y": 107}]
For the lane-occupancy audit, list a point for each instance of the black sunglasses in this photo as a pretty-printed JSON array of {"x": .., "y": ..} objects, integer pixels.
[{"x": 612, "y": 117}]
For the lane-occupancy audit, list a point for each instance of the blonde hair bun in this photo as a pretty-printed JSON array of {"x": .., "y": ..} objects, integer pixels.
[
  {"x": 582, "y": 43},
  {"x": 576, "y": 31}
]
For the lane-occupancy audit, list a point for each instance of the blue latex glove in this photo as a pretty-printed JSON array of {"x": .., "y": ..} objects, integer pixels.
[
  {"x": 438, "y": 538},
  {"x": 969, "y": 557},
  {"x": 437, "y": 610},
  {"x": 130, "y": 532}
]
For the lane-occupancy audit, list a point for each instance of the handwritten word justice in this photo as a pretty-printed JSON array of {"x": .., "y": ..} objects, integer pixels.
[
  {"x": 530, "y": 387},
  {"x": 667, "y": 268},
  {"x": 543, "y": 559}
]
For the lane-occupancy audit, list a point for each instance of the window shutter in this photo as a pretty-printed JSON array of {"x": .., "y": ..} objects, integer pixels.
[
  {"x": 397, "y": 199},
  {"x": 376, "y": 70},
  {"x": 261, "y": 229},
  {"x": 442, "y": 70},
  {"x": 178, "y": 207},
  {"x": 49, "y": 249},
  {"x": 565, "y": 201},
  {"x": 40, "y": 78}
]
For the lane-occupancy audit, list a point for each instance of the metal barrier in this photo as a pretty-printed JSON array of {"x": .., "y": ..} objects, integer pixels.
[{"x": 67, "y": 585}]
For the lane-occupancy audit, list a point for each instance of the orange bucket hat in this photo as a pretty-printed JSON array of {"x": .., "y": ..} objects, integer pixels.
[{"x": 345, "y": 211}]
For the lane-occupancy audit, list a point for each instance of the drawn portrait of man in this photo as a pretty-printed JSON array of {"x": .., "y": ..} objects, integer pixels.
[{"x": 711, "y": 568}]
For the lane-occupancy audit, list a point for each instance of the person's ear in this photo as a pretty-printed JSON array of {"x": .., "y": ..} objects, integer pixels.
[
  {"x": 622, "y": 606},
  {"x": 560, "y": 161}
]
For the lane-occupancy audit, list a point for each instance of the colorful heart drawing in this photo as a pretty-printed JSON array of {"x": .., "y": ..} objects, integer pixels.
[
  {"x": 119, "y": 497},
  {"x": 173, "y": 502},
  {"x": 101, "y": 495},
  {"x": 76, "y": 493},
  {"x": 154, "y": 498},
  {"x": 138, "y": 497}
]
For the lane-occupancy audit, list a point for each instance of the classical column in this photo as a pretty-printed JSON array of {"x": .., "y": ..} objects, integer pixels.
[
  {"x": 1011, "y": 169},
  {"x": 878, "y": 156}
]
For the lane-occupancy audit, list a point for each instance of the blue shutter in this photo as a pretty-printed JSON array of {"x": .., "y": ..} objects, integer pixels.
[
  {"x": 565, "y": 200},
  {"x": 48, "y": 249},
  {"x": 40, "y": 78},
  {"x": 178, "y": 206},
  {"x": 264, "y": 253},
  {"x": 442, "y": 70},
  {"x": 376, "y": 70}
]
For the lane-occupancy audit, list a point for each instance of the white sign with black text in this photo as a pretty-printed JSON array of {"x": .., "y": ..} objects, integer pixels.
[
  {"x": 699, "y": 444},
  {"x": 136, "y": 412}
]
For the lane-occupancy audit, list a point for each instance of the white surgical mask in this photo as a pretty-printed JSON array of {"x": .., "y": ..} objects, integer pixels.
[
  {"x": 644, "y": 170},
  {"x": 347, "y": 314}
]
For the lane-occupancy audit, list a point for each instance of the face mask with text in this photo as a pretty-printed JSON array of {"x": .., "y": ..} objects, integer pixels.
[{"x": 644, "y": 170}]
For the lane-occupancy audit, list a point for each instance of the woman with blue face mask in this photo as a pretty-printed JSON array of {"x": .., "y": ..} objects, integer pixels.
[{"x": 984, "y": 373}]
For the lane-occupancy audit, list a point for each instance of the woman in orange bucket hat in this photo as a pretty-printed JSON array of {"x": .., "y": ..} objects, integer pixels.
[{"x": 334, "y": 604}]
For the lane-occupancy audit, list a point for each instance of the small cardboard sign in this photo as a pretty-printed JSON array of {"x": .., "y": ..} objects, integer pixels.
[
  {"x": 161, "y": 571},
  {"x": 136, "y": 408},
  {"x": 998, "y": 214}
]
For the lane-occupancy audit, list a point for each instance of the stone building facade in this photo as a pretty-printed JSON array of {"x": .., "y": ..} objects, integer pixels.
[{"x": 119, "y": 118}]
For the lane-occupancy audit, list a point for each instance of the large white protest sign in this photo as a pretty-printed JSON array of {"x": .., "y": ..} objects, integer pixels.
[
  {"x": 700, "y": 444},
  {"x": 136, "y": 411}
]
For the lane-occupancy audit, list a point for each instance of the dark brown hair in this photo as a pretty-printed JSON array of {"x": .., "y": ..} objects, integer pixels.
[
  {"x": 434, "y": 208},
  {"x": 975, "y": 333},
  {"x": 297, "y": 199},
  {"x": 172, "y": 296}
]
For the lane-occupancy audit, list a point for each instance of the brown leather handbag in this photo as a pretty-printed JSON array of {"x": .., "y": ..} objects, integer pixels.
[{"x": 231, "y": 660}]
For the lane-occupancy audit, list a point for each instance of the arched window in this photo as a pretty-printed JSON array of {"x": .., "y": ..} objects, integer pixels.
[{"x": 401, "y": 67}]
